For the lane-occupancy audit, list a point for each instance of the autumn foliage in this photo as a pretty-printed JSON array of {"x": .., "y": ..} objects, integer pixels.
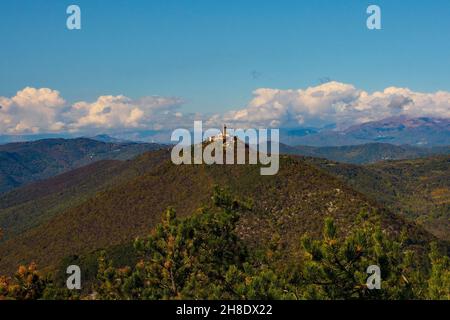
[{"x": 203, "y": 257}]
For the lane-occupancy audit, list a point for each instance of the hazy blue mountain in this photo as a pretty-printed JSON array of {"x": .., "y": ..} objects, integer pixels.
[
  {"x": 108, "y": 139},
  {"x": 365, "y": 153},
  {"x": 422, "y": 131},
  {"x": 25, "y": 162},
  {"x": 33, "y": 137}
]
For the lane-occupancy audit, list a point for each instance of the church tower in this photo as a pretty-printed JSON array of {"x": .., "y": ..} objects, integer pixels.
[{"x": 224, "y": 133}]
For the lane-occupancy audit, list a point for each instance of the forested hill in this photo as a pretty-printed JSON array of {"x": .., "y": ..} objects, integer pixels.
[
  {"x": 82, "y": 217},
  {"x": 417, "y": 189},
  {"x": 366, "y": 153},
  {"x": 25, "y": 162}
]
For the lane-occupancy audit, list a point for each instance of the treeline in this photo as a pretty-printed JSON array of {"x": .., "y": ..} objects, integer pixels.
[{"x": 202, "y": 257}]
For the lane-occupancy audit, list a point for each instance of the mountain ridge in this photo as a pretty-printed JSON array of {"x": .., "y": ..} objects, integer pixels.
[
  {"x": 420, "y": 131},
  {"x": 365, "y": 153},
  {"x": 25, "y": 162},
  {"x": 294, "y": 202}
]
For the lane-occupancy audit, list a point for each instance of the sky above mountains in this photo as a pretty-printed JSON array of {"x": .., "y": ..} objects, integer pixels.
[
  {"x": 151, "y": 65},
  {"x": 34, "y": 110}
]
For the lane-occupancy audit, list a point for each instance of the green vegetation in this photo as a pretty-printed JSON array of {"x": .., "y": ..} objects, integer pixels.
[
  {"x": 34, "y": 204},
  {"x": 416, "y": 189},
  {"x": 203, "y": 257},
  {"x": 365, "y": 153},
  {"x": 273, "y": 246},
  {"x": 25, "y": 162},
  {"x": 295, "y": 201}
]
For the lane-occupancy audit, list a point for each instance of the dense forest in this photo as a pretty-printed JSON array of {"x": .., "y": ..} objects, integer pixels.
[{"x": 202, "y": 256}]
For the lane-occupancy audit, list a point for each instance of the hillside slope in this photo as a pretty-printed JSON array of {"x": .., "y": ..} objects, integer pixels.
[
  {"x": 291, "y": 203},
  {"x": 365, "y": 153},
  {"x": 30, "y": 205},
  {"x": 25, "y": 162},
  {"x": 417, "y": 189}
]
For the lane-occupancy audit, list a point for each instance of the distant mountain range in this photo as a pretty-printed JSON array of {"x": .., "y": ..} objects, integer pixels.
[
  {"x": 25, "y": 162},
  {"x": 365, "y": 153},
  {"x": 399, "y": 131},
  {"x": 424, "y": 131},
  {"x": 109, "y": 139}
]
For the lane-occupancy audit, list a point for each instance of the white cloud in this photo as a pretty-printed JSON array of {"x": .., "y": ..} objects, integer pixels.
[
  {"x": 120, "y": 112},
  {"x": 44, "y": 110},
  {"x": 334, "y": 102},
  {"x": 30, "y": 110}
]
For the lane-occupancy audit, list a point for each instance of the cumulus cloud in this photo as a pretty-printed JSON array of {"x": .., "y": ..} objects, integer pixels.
[
  {"x": 30, "y": 110},
  {"x": 44, "y": 110},
  {"x": 120, "y": 112},
  {"x": 34, "y": 110},
  {"x": 334, "y": 103}
]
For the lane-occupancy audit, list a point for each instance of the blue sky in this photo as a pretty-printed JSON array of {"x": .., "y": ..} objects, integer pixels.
[{"x": 214, "y": 54}]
